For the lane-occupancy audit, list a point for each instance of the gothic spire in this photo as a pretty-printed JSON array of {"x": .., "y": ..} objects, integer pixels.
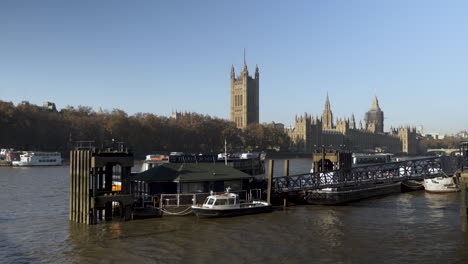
[
  {"x": 327, "y": 103},
  {"x": 233, "y": 74},
  {"x": 244, "y": 68}
]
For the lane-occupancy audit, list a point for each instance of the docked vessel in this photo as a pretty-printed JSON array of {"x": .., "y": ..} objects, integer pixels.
[
  {"x": 411, "y": 185},
  {"x": 153, "y": 160},
  {"x": 33, "y": 158},
  {"x": 229, "y": 204},
  {"x": 440, "y": 185}
]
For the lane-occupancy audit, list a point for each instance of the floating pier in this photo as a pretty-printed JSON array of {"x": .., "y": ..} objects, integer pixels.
[
  {"x": 334, "y": 181},
  {"x": 95, "y": 176}
]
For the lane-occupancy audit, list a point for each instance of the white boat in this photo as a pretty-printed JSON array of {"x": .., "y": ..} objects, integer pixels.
[
  {"x": 156, "y": 157},
  {"x": 34, "y": 158},
  {"x": 153, "y": 160},
  {"x": 229, "y": 204},
  {"x": 440, "y": 185}
]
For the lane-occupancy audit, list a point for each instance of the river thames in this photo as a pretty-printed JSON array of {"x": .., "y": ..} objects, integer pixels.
[{"x": 414, "y": 227}]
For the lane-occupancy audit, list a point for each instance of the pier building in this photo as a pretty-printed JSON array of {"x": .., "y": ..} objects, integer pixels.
[{"x": 311, "y": 132}]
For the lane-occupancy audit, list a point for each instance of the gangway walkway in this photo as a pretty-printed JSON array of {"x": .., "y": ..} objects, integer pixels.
[{"x": 386, "y": 173}]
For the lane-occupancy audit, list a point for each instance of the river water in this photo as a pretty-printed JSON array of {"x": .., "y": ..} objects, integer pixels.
[{"x": 414, "y": 227}]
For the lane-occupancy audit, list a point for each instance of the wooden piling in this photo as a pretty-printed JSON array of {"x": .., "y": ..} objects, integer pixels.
[
  {"x": 82, "y": 187},
  {"x": 95, "y": 177},
  {"x": 464, "y": 194},
  {"x": 286, "y": 167},
  {"x": 87, "y": 166},
  {"x": 72, "y": 187},
  {"x": 91, "y": 194},
  {"x": 270, "y": 179},
  {"x": 79, "y": 186}
]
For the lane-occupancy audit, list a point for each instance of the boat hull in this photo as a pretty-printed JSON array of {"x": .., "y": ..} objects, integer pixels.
[
  {"x": 408, "y": 186},
  {"x": 440, "y": 185},
  {"x": 443, "y": 191},
  {"x": 208, "y": 212}
]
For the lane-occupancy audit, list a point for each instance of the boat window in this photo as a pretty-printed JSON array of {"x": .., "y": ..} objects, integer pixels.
[
  {"x": 210, "y": 201},
  {"x": 231, "y": 201},
  {"x": 221, "y": 202}
]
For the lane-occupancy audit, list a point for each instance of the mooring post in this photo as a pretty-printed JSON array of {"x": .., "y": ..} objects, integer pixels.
[
  {"x": 286, "y": 167},
  {"x": 270, "y": 179},
  {"x": 72, "y": 187},
  {"x": 464, "y": 194},
  {"x": 95, "y": 183}
]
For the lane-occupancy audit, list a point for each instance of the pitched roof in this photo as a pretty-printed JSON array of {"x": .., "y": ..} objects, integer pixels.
[{"x": 187, "y": 172}]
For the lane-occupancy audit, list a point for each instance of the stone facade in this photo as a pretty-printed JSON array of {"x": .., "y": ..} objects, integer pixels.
[
  {"x": 310, "y": 133},
  {"x": 245, "y": 97}
]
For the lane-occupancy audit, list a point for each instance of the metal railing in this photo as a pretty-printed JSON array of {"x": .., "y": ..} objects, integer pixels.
[
  {"x": 143, "y": 199},
  {"x": 175, "y": 200}
]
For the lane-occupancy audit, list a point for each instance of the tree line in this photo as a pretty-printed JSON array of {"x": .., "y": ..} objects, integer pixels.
[
  {"x": 449, "y": 142},
  {"x": 31, "y": 127}
]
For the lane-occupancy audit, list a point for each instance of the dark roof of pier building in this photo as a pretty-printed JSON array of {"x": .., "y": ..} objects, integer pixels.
[{"x": 187, "y": 172}]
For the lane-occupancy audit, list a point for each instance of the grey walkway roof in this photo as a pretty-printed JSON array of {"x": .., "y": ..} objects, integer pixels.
[{"x": 187, "y": 172}]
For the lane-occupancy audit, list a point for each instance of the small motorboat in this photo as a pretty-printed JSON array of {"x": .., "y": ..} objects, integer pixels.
[
  {"x": 440, "y": 185},
  {"x": 229, "y": 204},
  {"x": 411, "y": 185}
]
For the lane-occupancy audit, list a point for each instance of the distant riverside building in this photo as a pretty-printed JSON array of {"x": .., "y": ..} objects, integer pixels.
[
  {"x": 434, "y": 136},
  {"x": 245, "y": 97},
  {"x": 462, "y": 134},
  {"x": 178, "y": 115},
  {"x": 49, "y": 106},
  {"x": 311, "y": 133},
  {"x": 279, "y": 126}
]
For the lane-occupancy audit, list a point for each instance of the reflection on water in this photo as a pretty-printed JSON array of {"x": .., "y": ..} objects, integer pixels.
[{"x": 412, "y": 227}]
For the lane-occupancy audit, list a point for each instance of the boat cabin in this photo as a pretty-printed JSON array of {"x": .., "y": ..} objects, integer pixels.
[{"x": 221, "y": 200}]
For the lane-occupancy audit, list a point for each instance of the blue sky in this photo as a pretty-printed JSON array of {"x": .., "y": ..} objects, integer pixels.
[{"x": 158, "y": 56}]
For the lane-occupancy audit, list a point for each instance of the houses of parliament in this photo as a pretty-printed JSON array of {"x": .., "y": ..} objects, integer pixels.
[{"x": 310, "y": 133}]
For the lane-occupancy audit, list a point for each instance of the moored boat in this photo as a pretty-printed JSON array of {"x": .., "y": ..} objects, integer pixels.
[
  {"x": 153, "y": 160},
  {"x": 35, "y": 158},
  {"x": 411, "y": 185},
  {"x": 440, "y": 185},
  {"x": 229, "y": 204}
]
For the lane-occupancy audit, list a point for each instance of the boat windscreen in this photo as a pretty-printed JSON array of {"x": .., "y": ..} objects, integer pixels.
[
  {"x": 221, "y": 202},
  {"x": 210, "y": 201}
]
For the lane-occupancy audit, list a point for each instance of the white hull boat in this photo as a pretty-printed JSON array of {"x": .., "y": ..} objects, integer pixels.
[
  {"x": 228, "y": 204},
  {"x": 440, "y": 185},
  {"x": 39, "y": 159}
]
